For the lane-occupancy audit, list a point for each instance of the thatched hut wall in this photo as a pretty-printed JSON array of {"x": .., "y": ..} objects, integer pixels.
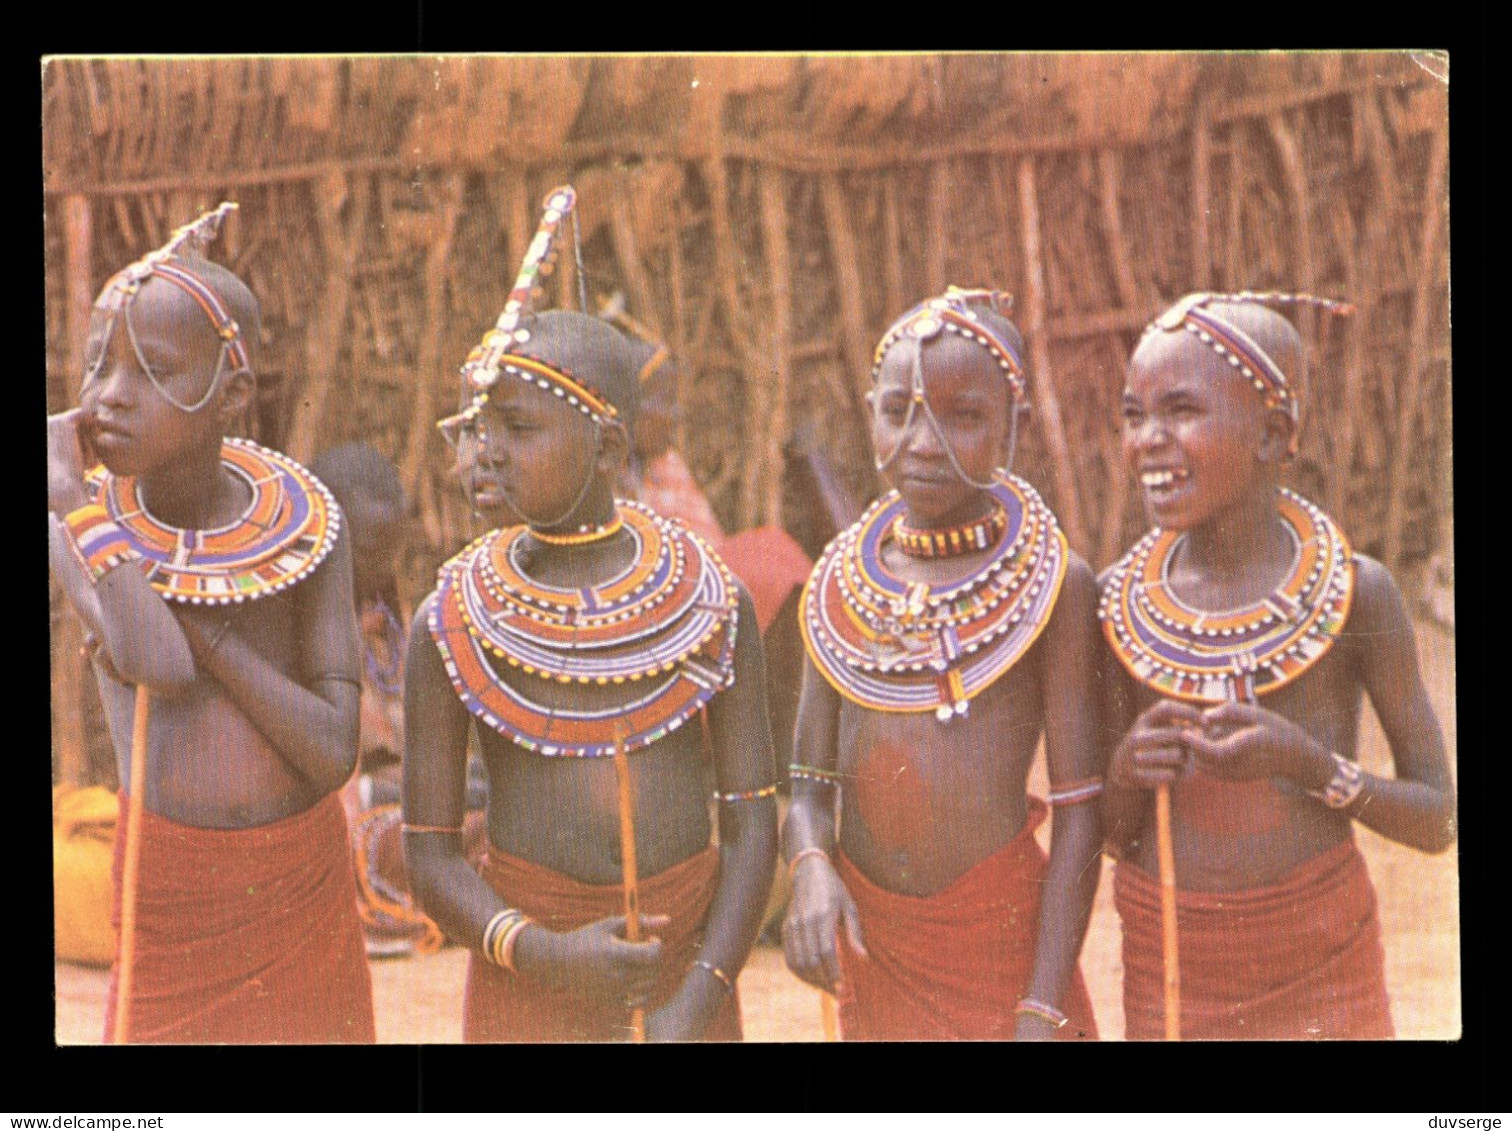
[{"x": 385, "y": 203}]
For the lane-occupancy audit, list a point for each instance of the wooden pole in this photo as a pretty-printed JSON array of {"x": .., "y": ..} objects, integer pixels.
[
  {"x": 1068, "y": 504},
  {"x": 772, "y": 188},
  {"x": 627, "y": 867},
  {"x": 1168, "y": 913},
  {"x": 131, "y": 865}
]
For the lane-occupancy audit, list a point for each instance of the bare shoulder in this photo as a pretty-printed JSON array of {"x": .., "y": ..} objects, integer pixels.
[
  {"x": 1378, "y": 606},
  {"x": 1080, "y": 582}
]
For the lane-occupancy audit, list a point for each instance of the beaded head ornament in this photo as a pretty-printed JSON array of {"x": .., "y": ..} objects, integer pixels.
[
  {"x": 957, "y": 311},
  {"x": 1194, "y": 314},
  {"x": 169, "y": 264},
  {"x": 502, "y": 351}
]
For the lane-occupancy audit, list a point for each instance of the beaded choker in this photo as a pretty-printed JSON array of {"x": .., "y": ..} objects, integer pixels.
[
  {"x": 286, "y": 531},
  {"x": 583, "y": 535},
  {"x": 1235, "y": 654},
  {"x": 667, "y": 623},
  {"x": 952, "y": 542},
  {"x": 894, "y": 645}
]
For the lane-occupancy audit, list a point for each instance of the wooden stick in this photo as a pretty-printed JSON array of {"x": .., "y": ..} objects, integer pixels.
[
  {"x": 829, "y": 1015},
  {"x": 627, "y": 866},
  {"x": 1168, "y": 913},
  {"x": 133, "y": 859}
]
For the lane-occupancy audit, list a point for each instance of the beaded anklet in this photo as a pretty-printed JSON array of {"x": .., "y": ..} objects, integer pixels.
[
  {"x": 814, "y": 774},
  {"x": 747, "y": 795},
  {"x": 724, "y": 979},
  {"x": 953, "y": 541},
  {"x": 1074, "y": 793},
  {"x": 1039, "y": 1009},
  {"x": 99, "y": 543},
  {"x": 803, "y": 854}
]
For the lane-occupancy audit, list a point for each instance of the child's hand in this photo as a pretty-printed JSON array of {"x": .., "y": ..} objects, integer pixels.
[
  {"x": 819, "y": 903},
  {"x": 1240, "y": 741},
  {"x": 595, "y": 962},
  {"x": 1153, "y": 753},
  {"x": 65, "y": 462}
]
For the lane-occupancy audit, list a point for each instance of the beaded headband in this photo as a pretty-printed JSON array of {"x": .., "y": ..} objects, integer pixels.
[
  {"x": 496, "y": 353},
  {"x": 166, "y": 263},
  {"x": 1235, "y": 346},
  {"x": 952, "y": 313}
]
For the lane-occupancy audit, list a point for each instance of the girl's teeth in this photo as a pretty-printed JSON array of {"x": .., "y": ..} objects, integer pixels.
[{"x": 1161, "y": 478}]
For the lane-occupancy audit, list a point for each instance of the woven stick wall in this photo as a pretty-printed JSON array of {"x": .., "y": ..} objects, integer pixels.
[{"x": 769, "y": 216}]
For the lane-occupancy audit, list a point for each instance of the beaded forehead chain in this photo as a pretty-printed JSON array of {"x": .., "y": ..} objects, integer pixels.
[
  {"x": 951, "y": 313},
  {"x": 496, "y": 353},
  {"x": 166, "y": 263},
  {"x": 1241, "y": 351}
]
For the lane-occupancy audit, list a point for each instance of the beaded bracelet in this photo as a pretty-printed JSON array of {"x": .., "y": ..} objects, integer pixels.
[
  {"x": 99, "y": 543},
  {"x": 1039, "y": 1009},
  {"x": 507, "y": 941},
  {"x": 725, "y": 980},
  {"x": 814, "y": 774},
  {"x": 499, "y": 935},
  {"x": 1074, "y": 793},
  {"x": 429, "y": 828},
  {"x": 748, "y": 795},
  {"x": 1345, "y": 785},
  {"x": 811, "y": 850}
]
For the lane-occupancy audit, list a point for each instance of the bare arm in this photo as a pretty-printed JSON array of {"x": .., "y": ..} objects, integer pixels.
[
  {"x": 820, "y": 902},
  {"x": 136, "y": 629},
  {"x": 743, "y": 760},
  {"x": 310, "y": 721},
  {"x": 1073, "y": 751}
]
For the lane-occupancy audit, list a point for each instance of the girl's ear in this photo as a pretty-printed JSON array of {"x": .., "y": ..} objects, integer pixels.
[
  {"x": 236, "y": 393},
  {"x": 613, "y": 448},
  {"x": 1275, "y": 445}
]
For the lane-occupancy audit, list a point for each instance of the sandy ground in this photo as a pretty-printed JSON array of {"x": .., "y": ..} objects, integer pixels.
[{"x": 417, "y": 1000}]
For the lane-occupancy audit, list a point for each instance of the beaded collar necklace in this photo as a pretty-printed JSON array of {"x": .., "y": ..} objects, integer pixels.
[
  {"x": 952, "y": 541},
  {"x": 667, "y": 623},
  {"x": 893, "y": 645},
  {"x": 285, "y": 532},
  {"x": 1233, "y": 654}
]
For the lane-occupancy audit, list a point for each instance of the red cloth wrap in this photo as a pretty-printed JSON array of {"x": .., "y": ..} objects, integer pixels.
[
  {"x": 1300, "y": 960},
  {"x": 245, "y": 936},
  {"x": 953, "y": 965},
  {"x": 770, "y": 564},
  {"x": 502, "y": 1007}
]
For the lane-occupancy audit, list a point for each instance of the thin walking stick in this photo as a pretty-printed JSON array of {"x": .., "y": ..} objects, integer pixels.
[
  {"x": 627, "y": 863},
  {"x": 133, "y": 859},
  {"x": 829, "y": 1014},
  {"x": 1168, "y": 912}
]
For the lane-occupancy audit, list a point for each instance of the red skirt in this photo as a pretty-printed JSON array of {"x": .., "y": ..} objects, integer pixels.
[
  {"x": 953, "y": 965},
  {"x": 502, "y": 1007},
  {"x": 1300, "y": 960},
  {"x": 245, "y": 936}
]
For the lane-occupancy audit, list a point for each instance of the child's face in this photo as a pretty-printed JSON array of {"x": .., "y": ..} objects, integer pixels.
[
  {"x": 969, "y": 399},
  {"x": 131, "y": 425},
  {"x": 377, "y": 531},
  {"x": 1194, "y": 432},
  {"x": 533, "y": 449}
]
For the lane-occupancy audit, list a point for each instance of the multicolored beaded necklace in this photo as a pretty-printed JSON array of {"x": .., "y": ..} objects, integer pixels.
[
  {"x": 669, "y": 620},
  {"x": 952, "y": 542},
  {"x": 285, "y": 532},
  {"x": 894, "y": 645},
  {"x": 1235, "y": 654}
]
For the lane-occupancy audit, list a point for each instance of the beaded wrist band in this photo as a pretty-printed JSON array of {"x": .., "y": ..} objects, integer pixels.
[
  {"x": 747, "y": 795},
  {"x": 99, "y": 544},
  {"x": 724, "y": 979},
  {"x": 1345, "y": 785},
  {"x": 1035, "y": 1008},
  {"x": 500, "y": 934},
  {"x": 812, "y": 850},
  {"x": 1074, "y": 793},
  {"x": 814, "y": 774}
]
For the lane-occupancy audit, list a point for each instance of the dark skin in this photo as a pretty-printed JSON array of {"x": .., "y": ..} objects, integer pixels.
[
  {"x": 1208, "y": 454},
  {"x": 563, "y": 813},
  {"x": 263, "y": 724},
  {"x": 924, "y": 802}
]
